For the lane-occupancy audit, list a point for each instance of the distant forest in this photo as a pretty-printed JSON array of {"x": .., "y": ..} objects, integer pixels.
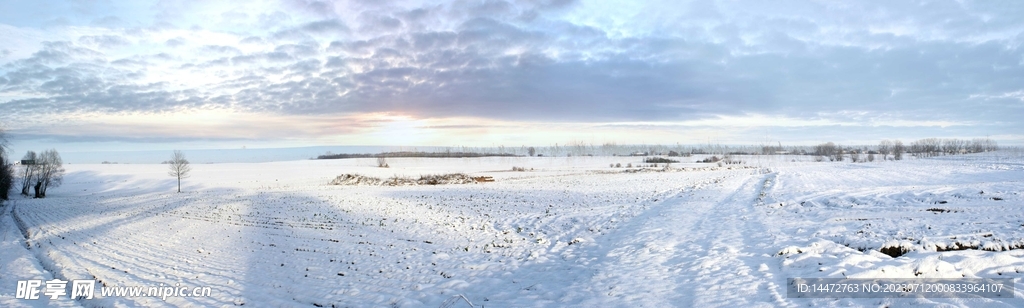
[
  {"x": 922, "y": 148},
  {"x": 416, "y": 154}
]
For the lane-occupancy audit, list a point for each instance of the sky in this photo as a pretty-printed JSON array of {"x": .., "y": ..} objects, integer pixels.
[{"x": 97, "y": 75}]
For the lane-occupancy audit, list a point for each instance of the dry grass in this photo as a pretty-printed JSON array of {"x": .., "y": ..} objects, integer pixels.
[{"x": 429, "y": 179}]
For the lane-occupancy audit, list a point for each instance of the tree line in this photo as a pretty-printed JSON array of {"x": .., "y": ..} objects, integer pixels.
[
  {"x": 927, "y": 147},
  {"x": 6, "y": 169}
]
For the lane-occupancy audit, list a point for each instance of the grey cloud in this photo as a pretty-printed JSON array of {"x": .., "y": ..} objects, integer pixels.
[
  {"x": 29, "y": 74},
  {"x": 54, "y": 53},
  {"x": 65, "y": 138},
  {"x": 416, "y": 14},
  {"x": 326, "y": 26},
  {"x": 493, "y": 8},
  {"x": 322, "y": 8},
  {"x": 299, "y": 50},
  {"x": 490, "y": 34},
  {"x": 273, "y": 19},
  {"x": 291, "y": 35},
  {"x": 388, "y": 22},
  {"x": 234, "y": 16},
  {"x": 175, "y": 42},
  {"x": 387, "y": 53},
  {"x": 245, "y": 82},
  {"x": 528, "y": 16},
  {"x": 278, "y": 56},
  {"x": 70, "y": 85},
  {"x": 251, "y": 40},
  {"x": 308, "y": 31},
  {"x": 114, "y": 99},
  {"x": 107, "y": 21},
  {"x": 220, "y": 49},
  {"x": 305, "y": 66},
  {"x": 423, "y": 41},
  {"x": 163, "y": 56},
  {"x": 549, "y": 4},
  {"x": 335, "y": 62},
  {"x": 364, "y": 47},
  {"x": 243, "y": 60},
  {"x": 225, "y": 61}
]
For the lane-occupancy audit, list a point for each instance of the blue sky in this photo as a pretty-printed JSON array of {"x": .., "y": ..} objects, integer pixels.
[{"x": 124, "y": 75}]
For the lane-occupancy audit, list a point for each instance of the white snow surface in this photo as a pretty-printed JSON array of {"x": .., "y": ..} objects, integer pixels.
[{"x": 569, "y": 232}]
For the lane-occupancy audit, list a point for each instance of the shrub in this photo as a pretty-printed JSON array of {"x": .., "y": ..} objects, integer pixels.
[
  {"x": 712, "y": 159},
  {"x": 659, "y": 160},
  {"x": 382, "y": 162},
  {"x": 430, "y": 179},
  {"x": 618, "y": 165},
  {"x": 728, "y": 160},
  {"x": 897, "y": 150}
]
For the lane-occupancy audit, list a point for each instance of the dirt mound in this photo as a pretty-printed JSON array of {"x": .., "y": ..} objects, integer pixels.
[{"x": 430, "y": 179}]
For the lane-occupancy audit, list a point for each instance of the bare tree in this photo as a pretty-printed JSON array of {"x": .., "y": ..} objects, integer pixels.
[
  {"x": 49, "y": 172},
  {"x": 532, "y": 151},
  {"x": 884, "y": 147},
  {"x": 898, "y": 149},
  {"x": 829, "y": 150},
  {"x": 978, "y": 145},
  {"x": 839, "y": 153},
  {"x": 29, "y": 170},
  {"x": 382, "y": 161},
  {"x": 179, "y": 167}
]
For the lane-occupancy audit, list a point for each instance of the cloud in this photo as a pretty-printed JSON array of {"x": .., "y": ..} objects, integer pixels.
[
  {"x": 175, "y": 42},
  {"x": 331, "y": 26},
  {"x": 322, "y": 8},
  {"x": 936, "y": 65},
  {"x": 103, "y": 41},
  {"x": 252, "y": 40},
  {"x": 107, "y": 21}
]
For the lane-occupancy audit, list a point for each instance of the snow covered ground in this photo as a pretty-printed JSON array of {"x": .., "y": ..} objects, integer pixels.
[{"x": 568, "y": 232}]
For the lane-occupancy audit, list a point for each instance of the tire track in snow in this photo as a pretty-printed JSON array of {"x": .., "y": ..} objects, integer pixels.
[
  {"x": 699, "y": 249},
  {"x": 17, "y": 252},
  {"x": 735, "y": 268}
]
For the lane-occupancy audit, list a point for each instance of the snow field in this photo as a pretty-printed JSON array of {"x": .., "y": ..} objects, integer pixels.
[
  {"x": 834, "y": 220},
  {"x": 280, "y": 244},
  {"x": 572, "y": 232}
]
